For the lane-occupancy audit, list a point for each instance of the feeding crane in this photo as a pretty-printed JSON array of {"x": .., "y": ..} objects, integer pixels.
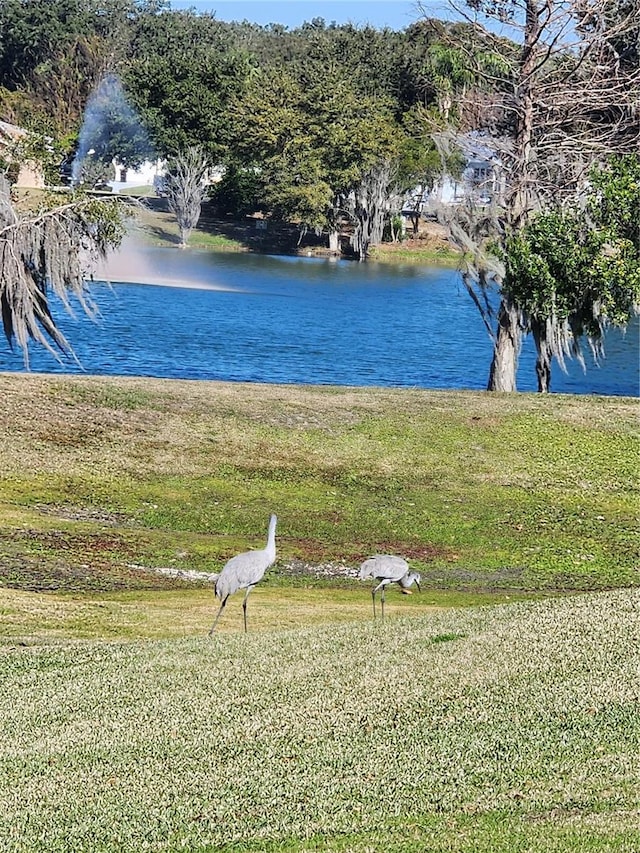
[{"x": 388, "y": 569}]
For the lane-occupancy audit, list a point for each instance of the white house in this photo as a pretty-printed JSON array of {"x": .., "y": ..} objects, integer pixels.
[
  {"x": 150, "y": 174},
  {"x": 145, "y": 175},
  {"x": 482, "y": 178}
]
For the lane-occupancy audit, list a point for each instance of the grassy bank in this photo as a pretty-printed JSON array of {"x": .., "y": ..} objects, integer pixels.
[
  {"x": 484, "y": 494},
  {"x": 511, "y": 727},
  {"x": 430, "y": 250},
  {"x": 156, "y": 225}
]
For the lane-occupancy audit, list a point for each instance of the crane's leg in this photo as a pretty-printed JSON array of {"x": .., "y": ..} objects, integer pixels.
[
  {"x": 215, "y": 621},
  {"x": 244, "y": 606},
  {"x": 379, "y": 587}
]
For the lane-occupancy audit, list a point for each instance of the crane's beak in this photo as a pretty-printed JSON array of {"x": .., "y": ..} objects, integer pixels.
[{"x": 418, "y": 585}]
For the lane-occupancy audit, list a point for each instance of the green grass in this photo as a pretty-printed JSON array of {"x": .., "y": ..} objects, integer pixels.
[
  {"x": 159, "y": 227},
  {"x": 505, "y": 728},
  {"x": 484, "y": 494},
  {"x": 201, "y": 239},
  {"x": 452, "y": 726},
  {"x": 188, "y": 611},
  {"x": 144, "y": 191},
  {"x": 392, "y": 253}
]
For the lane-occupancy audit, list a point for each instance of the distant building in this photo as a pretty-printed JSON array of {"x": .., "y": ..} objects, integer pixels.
[
  {"x": 24, "y": 172},
  {"x": 482, "y": 178},
  {"x": 144, "y": 175},
  {"x": 151, "y": 173}
]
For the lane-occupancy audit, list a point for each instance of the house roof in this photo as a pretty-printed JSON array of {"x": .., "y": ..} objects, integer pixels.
[
  {"x": 477, "y": 148},
  {"x": 12, "y": 130}
]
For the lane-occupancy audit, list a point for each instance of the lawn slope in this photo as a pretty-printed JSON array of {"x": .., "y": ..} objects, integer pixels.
[
  {"x": 103, "y": 477},
  {"x": 460, "y": 724},
  {"x": 504, "y": 728}
]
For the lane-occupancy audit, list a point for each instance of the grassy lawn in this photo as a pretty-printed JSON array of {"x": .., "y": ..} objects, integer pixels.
[
  {"x": 484, "y": 494},
  {"x": 497, "y": 710},
  {"x": 156, "y": 225},
  {"x": 503, "y": 728}
]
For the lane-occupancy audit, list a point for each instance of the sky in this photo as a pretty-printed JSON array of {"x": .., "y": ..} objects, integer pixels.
[{"x": 395, "y": 14}]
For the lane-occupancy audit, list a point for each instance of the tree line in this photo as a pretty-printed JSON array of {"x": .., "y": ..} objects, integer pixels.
[
  {"x": 302, "y": 120},
  {"x": 328, "y": 126}
]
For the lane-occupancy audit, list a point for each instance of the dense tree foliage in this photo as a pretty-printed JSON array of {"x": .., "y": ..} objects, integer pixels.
[
  {"x": 53, "y": 53},
  {"x": 573, "y": 272},
  {"x": 311, "y": 140},
  {"x": 303, "y": 115},
  {"x": 180, "y": 72}
]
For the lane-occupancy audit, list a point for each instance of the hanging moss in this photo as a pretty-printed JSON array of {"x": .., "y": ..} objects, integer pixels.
[{"x": 51, "y": 252}]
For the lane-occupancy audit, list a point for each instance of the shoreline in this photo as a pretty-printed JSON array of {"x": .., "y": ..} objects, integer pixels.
[{"x": 157, "y": 226}]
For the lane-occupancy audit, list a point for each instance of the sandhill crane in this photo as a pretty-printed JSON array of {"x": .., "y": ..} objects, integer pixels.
[
  {"x": 388, "y": 569},
  {"x": 244, "y": 571}
]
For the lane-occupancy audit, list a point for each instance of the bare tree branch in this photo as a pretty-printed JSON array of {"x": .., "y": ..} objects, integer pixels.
[{"x": 186, "y": 186}]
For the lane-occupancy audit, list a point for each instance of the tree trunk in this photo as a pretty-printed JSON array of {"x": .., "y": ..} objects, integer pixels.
[
  {"x": 508, "y": 341},
  {"x": 520, "y": 206},
  {"x": 544, "y": 356},
  {"x": 506, "y": 350}
]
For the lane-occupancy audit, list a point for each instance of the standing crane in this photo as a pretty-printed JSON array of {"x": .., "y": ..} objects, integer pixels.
[
  {"x": 388, "y": 569},
  {"x": 244, "y": 571}
]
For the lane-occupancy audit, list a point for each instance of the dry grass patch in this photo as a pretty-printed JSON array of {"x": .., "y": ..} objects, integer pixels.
[{"x": 30, "y": 617}]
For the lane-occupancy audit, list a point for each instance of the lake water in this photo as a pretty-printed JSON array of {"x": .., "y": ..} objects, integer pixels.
[{"x": 242, "y": 317}]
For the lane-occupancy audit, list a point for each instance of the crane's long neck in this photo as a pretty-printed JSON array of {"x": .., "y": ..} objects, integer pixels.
[
  {"x": 409, "y": 579},
  {"x": 271, "y": 539}
]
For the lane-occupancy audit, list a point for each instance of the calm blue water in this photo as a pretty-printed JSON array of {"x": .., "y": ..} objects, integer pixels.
[{"x": 302, "y": 320}]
